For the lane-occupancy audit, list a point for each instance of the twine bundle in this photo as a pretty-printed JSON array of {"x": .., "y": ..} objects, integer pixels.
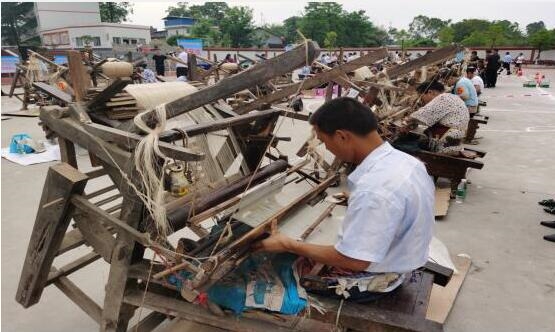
[
  {"x": 117, "y": 69},
  {"x": 149, "y": 96}
]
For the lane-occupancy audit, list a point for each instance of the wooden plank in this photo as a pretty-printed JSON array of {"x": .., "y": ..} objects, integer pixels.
[
  {"x": 109, "y": 92},
  {"x": 67, "y": 151},
  {"x": 203, "y": 128},
  {"x": 86, "y": 207},
  {"x": 400, "y": 311},
  {"x": 121, "y": 103},
  {"x": 51, "y": 223},
  {"x": 130, "y": 141},
  {"x": 116, "y": 313},
  {"x": 180, "y": 308},
  {"x": 81, "y": 299},
  {"x": 149, "y": 323},
  {"x": 442, "y": 200},
  {"x": 69, "y": 129},
  {"x": 80, "y": 80},
  {"x": 315, "y": 81},
  {"x": 69, "y": 268},
  {"x": 95, "y": 234},
  {"x": 443, "y": 298},
  {"x": 72, "y": 240},
  {"x": 53, "y": 91},
  {"x": 257, "y": 74}
]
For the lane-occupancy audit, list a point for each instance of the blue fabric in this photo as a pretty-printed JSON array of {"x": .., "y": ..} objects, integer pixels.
[
  {"x": 17, "y": 147},
  {"x": 230, "y": 293}
]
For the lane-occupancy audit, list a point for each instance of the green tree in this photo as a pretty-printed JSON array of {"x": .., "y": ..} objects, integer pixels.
[
  {"x": 331, "y": 39},
  {"x": 542, "y": 40},
  {"x": 214, "y": 11},
  {"x": 534, "y": 27},
  {"x": 237, "y": 26},
  {"x": 203, "y": 28},
  {"x": 466, "y": 27},
  {"x": 495, "y": 35},
  {"x": 320, "y": 17},
  {"x": 276, "y": 29},
  {"x": 172, "y": 40},
  {"x": 446, "y": 36},
  {"x": 18, "y": 24},
  {"x": 426, "y": 28},
  {"x": 115, "y": 12},
  {"x": 181, "y": 9},
  {"x": 290, "y": 26}
]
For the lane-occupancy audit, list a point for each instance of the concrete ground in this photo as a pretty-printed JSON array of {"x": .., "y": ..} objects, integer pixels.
[{"x": 510, "y": 287}]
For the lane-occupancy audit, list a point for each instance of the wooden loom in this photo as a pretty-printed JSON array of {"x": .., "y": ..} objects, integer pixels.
[{"x": 120, "y": 234}]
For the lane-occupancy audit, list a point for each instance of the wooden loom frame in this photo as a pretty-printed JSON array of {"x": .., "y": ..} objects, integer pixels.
[{"x": 63, "y": 199}]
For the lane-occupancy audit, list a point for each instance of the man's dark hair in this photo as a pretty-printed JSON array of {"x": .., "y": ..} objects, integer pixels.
[
  {"x": 430, "y": 85},
  {"x": 470, "y": 69},
  {"x": 344, "y": 114}
]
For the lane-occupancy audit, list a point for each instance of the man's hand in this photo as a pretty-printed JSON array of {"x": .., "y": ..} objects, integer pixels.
[{"x": 275, "y": 243}]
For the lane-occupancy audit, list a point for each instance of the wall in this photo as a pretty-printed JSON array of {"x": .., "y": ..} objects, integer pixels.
[
  {"x": 221, "y": 52},
  {"x": 106, "y": 32},
  {"x": 52, "y": 15}
]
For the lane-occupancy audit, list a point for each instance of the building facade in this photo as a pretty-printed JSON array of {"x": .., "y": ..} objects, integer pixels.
[
  {"x": 68, "y": 25},
  {"x": 176, "y": 25}
]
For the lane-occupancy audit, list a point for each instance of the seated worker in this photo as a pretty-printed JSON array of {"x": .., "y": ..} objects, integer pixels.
[
  {"x": 148, "y": 74},
  {"x": 476, "y": 80},
  {"x": 389, "y": 219},
  {"x": 464, "y": 88},
  {"x": 445, "y": 115}
]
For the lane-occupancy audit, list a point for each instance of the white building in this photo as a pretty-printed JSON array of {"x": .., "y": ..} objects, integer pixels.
[
  {"x": 67, "y": 25},
  {"x": 176, "y": 25}
]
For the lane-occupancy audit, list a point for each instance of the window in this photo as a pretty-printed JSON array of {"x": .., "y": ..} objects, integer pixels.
[
  {"x": 126, "y": 41},
  {"x": 133, "y": 41},
  {"x": 116, "y": 40},
  {"x": 94, "y": 41},
  {"x": 56, "y": 39},
  {"x": 64, "y": 38},
  {"x": 142, "y": 41},
  {"x": 47, "y": 39}
]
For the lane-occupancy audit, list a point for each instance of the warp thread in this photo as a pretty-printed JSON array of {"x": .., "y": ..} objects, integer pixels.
[{"x": 150, "y": 173}]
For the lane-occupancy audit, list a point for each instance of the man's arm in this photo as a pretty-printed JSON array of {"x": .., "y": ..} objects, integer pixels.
[{"x": 326, "y": 255}]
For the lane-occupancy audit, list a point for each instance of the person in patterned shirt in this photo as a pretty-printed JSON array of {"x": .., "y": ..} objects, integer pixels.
[{"x": 445, "y": 115}]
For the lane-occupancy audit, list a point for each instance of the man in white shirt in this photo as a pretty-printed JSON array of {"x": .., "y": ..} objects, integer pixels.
[
  {"x": 180, "y": 68},
  {"x": 390, "y": 215},
  {"x": 476, "y": 80}
]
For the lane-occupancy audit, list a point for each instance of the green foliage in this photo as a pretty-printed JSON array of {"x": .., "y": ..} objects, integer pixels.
[
  {"x": 18, "y": 25},
  {"x": 115, "y": 12},
  {"x": 181, "y": 10},
  {"x": 204, "y": 29},
  {"x": 172, "y": 40},
  {"x": 426, "y": 28},
  {"x": 237, "y": 26},
  {"x": 466, "y": 27},
  {"x": 352, "y": 28},
  {"x": 446, "y": 36},
  {"x": 331, "y": 39},
  {"x": 543, "y": 39},
  {"x": 534, "y": 27},
  {"x": 290, "y": 26}
]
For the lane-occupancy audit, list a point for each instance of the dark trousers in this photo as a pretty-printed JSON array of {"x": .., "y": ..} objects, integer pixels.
[
  {"x": 160, "y": 71},
  {"x": 491, "y": 77},
  {"x": 506, "y": 65},
  {"x": 181, "y": 71}
]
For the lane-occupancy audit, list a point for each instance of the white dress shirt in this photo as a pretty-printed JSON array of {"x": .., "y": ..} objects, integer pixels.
[
  {"x": 390, "y": 217},
  {"x": 183, "y": 57}
]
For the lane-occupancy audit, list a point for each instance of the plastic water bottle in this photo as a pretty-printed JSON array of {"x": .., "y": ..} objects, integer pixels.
[{"x": 461, "y": 191}]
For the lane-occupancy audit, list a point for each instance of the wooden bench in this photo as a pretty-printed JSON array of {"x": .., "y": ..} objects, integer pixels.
[
  {"x": 445, "y": 166},
  {"x": 473, "y": 125}
]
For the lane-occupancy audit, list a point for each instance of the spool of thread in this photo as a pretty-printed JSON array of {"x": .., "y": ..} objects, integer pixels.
[
  {"x": 151, "y": 95},
  {"x": 117, "y": 69}
]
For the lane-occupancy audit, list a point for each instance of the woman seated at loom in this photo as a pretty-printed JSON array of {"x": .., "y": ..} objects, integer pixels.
[{"x": 444, "y": 114}]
